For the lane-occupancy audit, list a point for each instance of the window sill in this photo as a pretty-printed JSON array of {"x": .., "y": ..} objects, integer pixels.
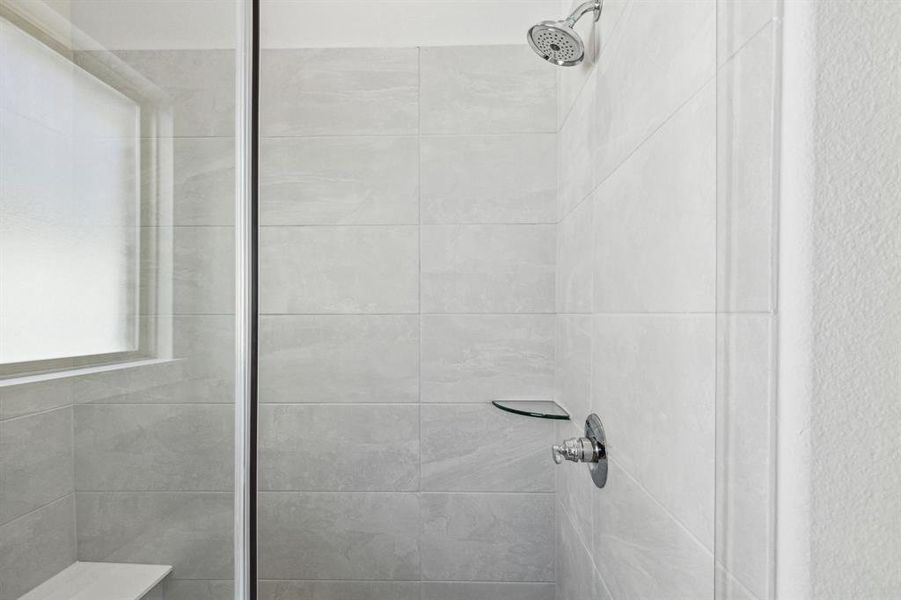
[{"x": 134, "y": 364}]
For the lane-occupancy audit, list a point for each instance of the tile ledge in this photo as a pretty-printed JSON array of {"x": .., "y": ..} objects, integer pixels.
[
  {"x": 100, "y": 581},
  {"x": 26, "y": 379}
]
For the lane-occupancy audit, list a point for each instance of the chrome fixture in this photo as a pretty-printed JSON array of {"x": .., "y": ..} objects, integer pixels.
[
  {"x": 557, "y": 42},
  {"x": 591, "y": 449}
]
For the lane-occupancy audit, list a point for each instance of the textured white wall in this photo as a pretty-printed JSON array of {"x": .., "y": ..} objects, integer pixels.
[{"x": 845, "y": 171}]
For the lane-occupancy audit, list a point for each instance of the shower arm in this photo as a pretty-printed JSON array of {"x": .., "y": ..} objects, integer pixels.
[{"x": 582, "y": 9}]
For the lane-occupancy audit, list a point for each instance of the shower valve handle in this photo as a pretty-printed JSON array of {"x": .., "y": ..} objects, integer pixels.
[
  {"x": 577, "y": 450},
  {"x": 591, "y": 449}
]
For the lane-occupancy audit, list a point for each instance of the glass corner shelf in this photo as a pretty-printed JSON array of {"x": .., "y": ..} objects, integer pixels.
[{"x": 541, "y": 409}]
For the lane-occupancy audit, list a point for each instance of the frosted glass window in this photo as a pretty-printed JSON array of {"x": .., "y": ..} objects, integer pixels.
[{"x": 69, "y": 208}]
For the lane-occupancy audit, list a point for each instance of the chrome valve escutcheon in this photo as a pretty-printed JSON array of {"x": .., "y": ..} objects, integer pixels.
[
  {"x": 576, "y": 450},
  {"x": 591, "y": 449}
]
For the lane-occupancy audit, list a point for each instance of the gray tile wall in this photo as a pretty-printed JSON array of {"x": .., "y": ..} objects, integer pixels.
[
  {"x": 662, "y": 295},
  {"x": 420, "y": 259},
  {"x": 407, "y": 271},
  {"x": 153, "y": 464},
  {"x": 141, "y": 458},
  {"x": 37, "y": 501},
  {"x": 359, "y": 297}
]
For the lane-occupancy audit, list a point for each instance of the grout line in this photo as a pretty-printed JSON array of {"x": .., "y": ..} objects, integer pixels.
[
  {"x": 39, "y": 508},
  {"x": 107, "y": 403},
  {"x": 400, "y": 134},
  {"x": 381, "y": 492},
  {"x": 74, "y": 448},
  {"x": 138, "y": 491},
  {"x": 420, "y": 532},
  {"x": 732, "y": 55},
  {"x": 37, "y": 413},
  {"x": 661, "y": 506},
  {"x": 380, "y": 136},
  {"x": 611, "y": 36},
  {"x": 229, "y": 492},
  {"x": 464, "y": 581},
  {"x": 775, "y": 282},
  {"x": 413, "y": 403},
  {"x": 448, "y": 224},
  {"x": 413, "y": 314},
  {"x": 618, "y": 165},
  {"x": 733, "y": 579}
]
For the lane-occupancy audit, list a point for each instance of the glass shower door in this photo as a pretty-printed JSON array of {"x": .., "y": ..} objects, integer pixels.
[
  {"x": 117, "y": 203},
  {"x": 448, "y": 220},
  {"x": 407, "y": 248}
]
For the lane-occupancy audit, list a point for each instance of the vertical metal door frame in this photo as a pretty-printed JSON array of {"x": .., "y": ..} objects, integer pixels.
[{"x": 246, "y": 310}]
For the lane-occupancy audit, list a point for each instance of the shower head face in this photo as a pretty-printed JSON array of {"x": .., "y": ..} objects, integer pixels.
[{"x": 557, "y": 43}]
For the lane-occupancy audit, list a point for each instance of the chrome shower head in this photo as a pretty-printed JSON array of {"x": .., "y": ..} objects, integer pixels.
[{"x": 557, "y": 42}]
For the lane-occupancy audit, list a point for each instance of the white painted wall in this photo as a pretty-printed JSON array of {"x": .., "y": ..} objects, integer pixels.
[
  {"x": 840, "y": 421},
  {"x": 183, "y": 24}
]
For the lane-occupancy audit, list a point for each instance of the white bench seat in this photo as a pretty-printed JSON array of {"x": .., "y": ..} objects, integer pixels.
[{"x": 100, "y": 581}]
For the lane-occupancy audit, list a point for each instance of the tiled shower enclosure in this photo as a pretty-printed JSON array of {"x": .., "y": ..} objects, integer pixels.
[
  {"x": 407, "y": 279},
  {"x": 442, "y": 224}
]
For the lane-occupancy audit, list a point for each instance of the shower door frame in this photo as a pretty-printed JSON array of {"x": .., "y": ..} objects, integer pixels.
[{"x": 247, "y": 20}]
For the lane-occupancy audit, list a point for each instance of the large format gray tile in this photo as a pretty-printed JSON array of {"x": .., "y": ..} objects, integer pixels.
[
  {"x": 501, "y": 89},
  {"x": 576, "y": 149},
  {"x": 339, "y": 180},
  {"x": 202, "y": 277},
  {"x": 488, "y": 537},
  {"x": 339, "y": 269},
  {"x": 575, "y": 252},
  {"x": 192, "y": 531},
  {"x": 654, "y": 384},
  {"x": 730, "y": 588},
  {"x": 338, "y": 590},
  {"x": 198, "y": 589},
  {"x": 656, "y": 220},
  {"x": 746, "y": 120},
  {"x": 571, "y": 81},
  {"x": 488, "y": 179},
  {"x": 339, "y": 448},
  {"x": 597, "y": 37},
  {"x": 576, "y": 575},
  {"x": 27, "y": 398},
  {"x": 640, "y": 551},
  {"x": 204, "y": 270},
  {"x": 203, "y": 190},
  {"x": 457, "y": 438},
  {"x": 737, "y": 21},
  {"x": 339, "y": 358},
  {"x": 347, "y": 91},
  {"x": 488, "y": 268},
  {"x": 35, "y": 461},
  {"x": 474, "y": 358},
  {"x": 572, "y": 373},
  {"x": 143, "y": 447},
  {"x": 37, "y": 546},
  {"x": 201, "y": 369},
  {"x": 156, "y": 593},
  {"x": 199, "y": 84},
  {"x": 641, "y": 83},
  {"x": 467, "y": 590},
  {"x": 338, "y": 536}
]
